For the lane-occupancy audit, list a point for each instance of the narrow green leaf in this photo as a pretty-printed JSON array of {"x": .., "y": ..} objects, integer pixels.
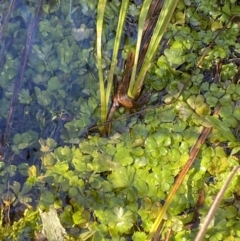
[
  {"x": 141, "y": 22},
  {"x": 100, "y": 15},
  {"x": 121, "y": 20},
  {"x": 221, "y": 127},
  {"x": 161, "y": 26}
]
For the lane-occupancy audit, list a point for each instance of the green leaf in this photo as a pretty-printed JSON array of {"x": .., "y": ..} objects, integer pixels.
[
  {"x": 24, "y": 97},
  {"x": 162, "y": 139},
  {"x": 86, "y": 235},
  {"x": 43, "y": 97},
  {"x": 141, "y": 187},
  {"x": 230, "y": 212},
  {"x": 47, "y": 145},
  {"x": 123, "y": 156},
  {"x": 25, "y": 189},
  {"x": 61, "y": 167},
  {"x": 231, "y": 121},
  {"x": 17, "y": 139},
  {"x": 167, "y": 114},
  {"x": 150, "y": 144},
  {"x": 122, "y": 177},
  {"x": 122, "y": 220},
  {"x": 26, "y": 137},
  {"x": 221, "y": 127},
  {"x": 73, "y": 181},
  {"x": 73, "y": 191},
  {"x": 48, "y": 160},
  {"x": 141, "y": 162},
  {"x": 175, "y": 54},
  {"x": 226, "y": 110},
  {"x": 236, "y": 113},
  {"x": 16, "y": 187},
  {"x": 32, "y": 171},
  {"x": 216, "y": 26},
  {"x": 22, "y": 168},
  {"x": 138, "y": 151},
  {"x": 63, "y": 153},
  {"x": 54, "y": 84},
  {"x": 184, "y": 111},
  {"x": 47, "y": 198},
  {"x": 78, "y": 218},
  {"x": 139, "y": 236}
]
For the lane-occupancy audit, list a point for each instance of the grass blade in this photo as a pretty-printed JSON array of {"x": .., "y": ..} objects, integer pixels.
[
  {"x": 100, "y": 15},
  {"x": 161, "y": 26},
  {"x": 121, "y": 20},
  {"x": 141, "y": 22}
]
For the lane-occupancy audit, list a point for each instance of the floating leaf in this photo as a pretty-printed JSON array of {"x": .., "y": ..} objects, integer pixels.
[
  {"x": 141, "y": 186},
  {"x": 32, "y": 171},
  {"x": 78, "y": 217},
  {"x": 150, "y": 144},
  {"x": 48, "y": 160},
  {"x": 123, "y": 156},
  {"x": 141, "y": 162},
  {"x": 236, "y": 113},
  {"x": 216, "y": 26},
  {"x": 175, "y": 54},
  {"x": 221, "y": 127},
  {"x": 47, "y": 145},
  {"x": 61, "y": 167},
  {"x": 122, "y": 220},
  {"x": 184, "y": 111},
  {"x": 122, "y": 177}
]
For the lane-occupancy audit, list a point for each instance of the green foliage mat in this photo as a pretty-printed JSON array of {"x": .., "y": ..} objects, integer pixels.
[{"x": 113, "y": 188}]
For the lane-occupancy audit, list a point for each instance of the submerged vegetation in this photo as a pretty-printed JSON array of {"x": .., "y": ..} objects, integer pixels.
[{"x": 159, "y": 171}]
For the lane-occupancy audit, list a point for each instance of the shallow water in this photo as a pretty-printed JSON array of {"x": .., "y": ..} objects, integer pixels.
[{"x": 47, "y": 71}]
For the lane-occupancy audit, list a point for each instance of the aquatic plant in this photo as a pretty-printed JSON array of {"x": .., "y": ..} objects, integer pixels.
[
  {"x": 120, "y": 187},
  {"x": 136, "y": 82}
]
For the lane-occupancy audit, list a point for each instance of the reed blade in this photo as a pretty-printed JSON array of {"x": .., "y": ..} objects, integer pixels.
[
  {"x": 100, "y": 15},
  {"x": 161, "y": 26},
  {"x": 141, "y": 23},
  {"x": 121, "y": 21}
]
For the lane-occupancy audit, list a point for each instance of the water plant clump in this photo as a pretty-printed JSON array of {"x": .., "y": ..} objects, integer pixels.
[{"x": 53, "y": 160}]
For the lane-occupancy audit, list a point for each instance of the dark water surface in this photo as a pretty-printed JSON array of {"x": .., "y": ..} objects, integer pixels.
[{"x": 47, "y": 72}]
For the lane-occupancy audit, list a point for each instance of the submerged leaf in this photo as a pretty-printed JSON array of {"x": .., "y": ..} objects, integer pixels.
[
  {"x": 82, "y": 33},
  {"x": 24, "y": 97}
]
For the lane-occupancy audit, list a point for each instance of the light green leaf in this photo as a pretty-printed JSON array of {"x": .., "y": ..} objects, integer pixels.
[
  {"x": 78, "y": 218},
  {"x": 221, "y": 127},
  {"x": 122, "y": 177},
  {"x": 122, "y": 220},
  {"x": 139, "y": 236}
]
